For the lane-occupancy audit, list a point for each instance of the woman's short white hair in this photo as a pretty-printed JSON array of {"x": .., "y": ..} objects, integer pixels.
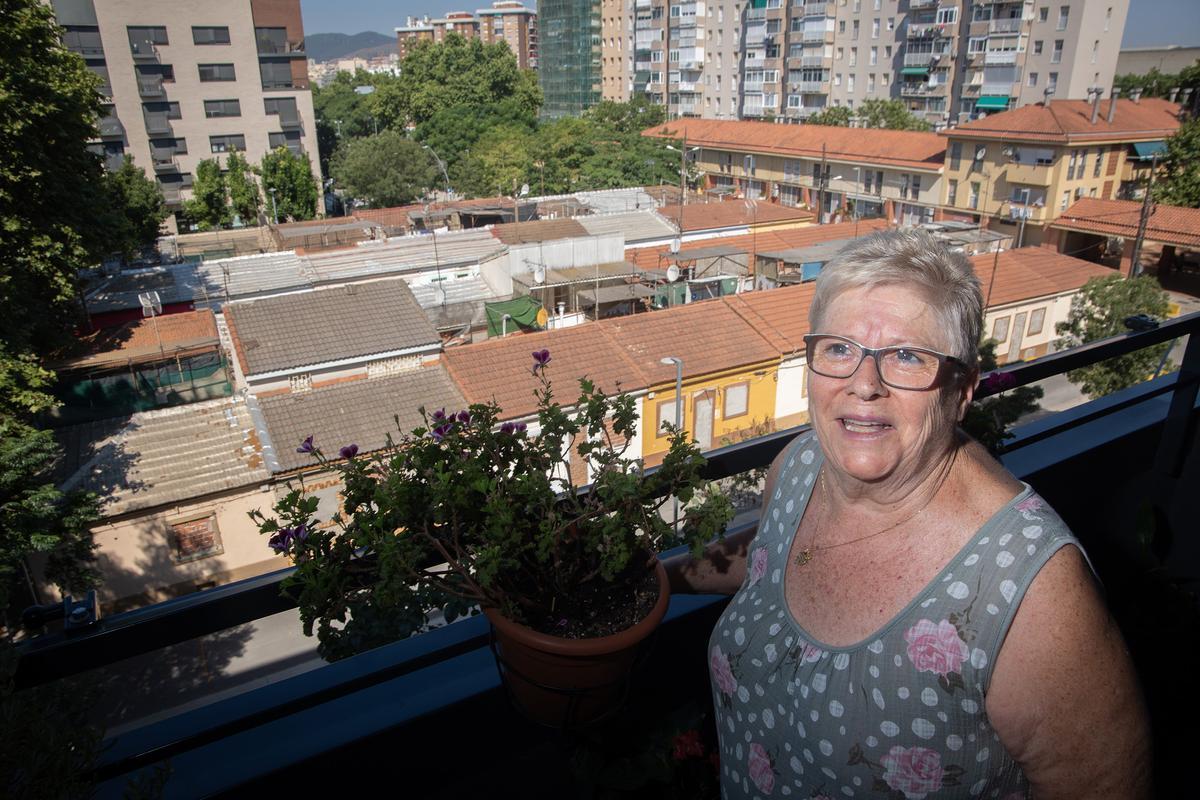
[{"x": 910, "y": 258}]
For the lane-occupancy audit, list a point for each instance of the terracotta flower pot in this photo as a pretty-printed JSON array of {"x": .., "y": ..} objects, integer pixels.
[{"x": 570, "y": 682}]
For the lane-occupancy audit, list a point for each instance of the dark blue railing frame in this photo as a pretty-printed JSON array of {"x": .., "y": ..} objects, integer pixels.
[{"x": 121, "y": 636}]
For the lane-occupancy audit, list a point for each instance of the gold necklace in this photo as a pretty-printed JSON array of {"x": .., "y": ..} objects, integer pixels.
[{"x": 806, "y": 555}]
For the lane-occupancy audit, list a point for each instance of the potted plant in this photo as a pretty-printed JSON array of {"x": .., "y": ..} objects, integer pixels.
[{"x": 465, "y": 513}]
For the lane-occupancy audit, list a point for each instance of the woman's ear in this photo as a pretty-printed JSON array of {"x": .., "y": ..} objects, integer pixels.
[{"x": 968, "y": 383}]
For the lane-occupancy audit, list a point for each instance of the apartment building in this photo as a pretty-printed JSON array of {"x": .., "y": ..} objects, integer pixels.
[
  {"x": 1021, "y": 169},
  {"x": 185, "y": 81},
  {"x": 506, "y": 21},
  {"x": 893, "y": 174},
  {"x": 616, "y": 50},
  {"x": 569, "y": 59},
  {"x": 947, "y": 60}
]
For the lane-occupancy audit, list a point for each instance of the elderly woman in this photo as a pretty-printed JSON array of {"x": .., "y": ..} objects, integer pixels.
[{"x": 910, "y": 620}]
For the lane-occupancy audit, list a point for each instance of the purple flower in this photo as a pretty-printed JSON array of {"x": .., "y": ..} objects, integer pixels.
[
  {"x": 279, "y": 542},
  {"x": 440, "y": 432},
  {"x": 300, "y": 533},
  {"x": 349, "y": 451},
  {"x": 439, "y": 415},
  {"x": 540, "y": 359},
  {"x": 998, "y": 381},
  {"x": 464, "y": 417},
  {"x": 306, "y": 446},
  {"x": 513, "y": 428}
]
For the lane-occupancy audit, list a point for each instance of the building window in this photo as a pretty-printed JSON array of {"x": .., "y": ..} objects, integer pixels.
[
  {"x": 210, "y": 34},
  {"x": 854, "y": 30},
  {"x": 1107, "y": 18},
  {"x": 853, "y": 57},
  {"x": 227, "y": 142},
  {"x": 874, "y": 56},
  {"x": 1037, "y": 319},
  {"x": 276, "y": 75},
  {"x": 850, "y": 82},
  {"x": 841, "y": 26},
  {"x": 1037, "y": 47},
  {"x": 664, "y": 414},
  {"x": 1043, "y": 13},
  {"x": 952, "y": 197},
  {"x": 891, "y": 23},
  {"x": 871, "y": 83},
  {"x": 1056, "y": 53},
  {"x": 194, "y": 539},
  {"x": 875, "y": 28},
  {"x": 1063, "y": 13},
  {"x": 955, "y": 155},
  {"x": 216, "y": 72},
  {"x": 1033, "y": 79},
  {"x": 947, "y": 16},
  {"x": 976, "y": 44},
  {"x": 1052, "y": 81},
  {"x": 737, "y": 400},
  {"x": 1065, "y": 202},
  {"x": 1000, "y": 330},
  {"x": 222, "y": 108},
  {"x": 1099, "y": 161},
  {"x": 974, "y": 198},
  {"x": 288, "y": 139},
  {"x": 147, "y": 35},
  {"x": 168, "y": 147}
]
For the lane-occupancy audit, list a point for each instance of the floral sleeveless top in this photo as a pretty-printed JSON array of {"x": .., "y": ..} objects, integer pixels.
[{"x": 899, "y": 715}]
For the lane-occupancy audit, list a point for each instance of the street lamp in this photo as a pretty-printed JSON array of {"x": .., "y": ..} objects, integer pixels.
[
  {"x": 441, "y": 164},
  {"x": 857, "y": 194},
  {"x": 274, "y": 208},
  {"x": 678, "y": 362},
  {"x": 1024, "y": 216}
]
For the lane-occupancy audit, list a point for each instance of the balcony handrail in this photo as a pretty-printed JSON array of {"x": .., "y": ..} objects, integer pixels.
[{"x": 54, "y": 656}]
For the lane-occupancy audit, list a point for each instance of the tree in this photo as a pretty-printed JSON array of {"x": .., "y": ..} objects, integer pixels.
[
  {"x": 1160, "y": 84},
  {"x": 890, "y": 114},
  {"x": 832, "y": 115},
  {"x": 385, "y": 170},
  {"x": 453, "y": 72},
  {"x": 454, "y": 130},
  {"x": 209, "y": 206},
  {"x": 344, "y": 113},
  {"x": 635, "y": 116},
  {"x": 290, "y": 175},
  {"x": 500, "y": 161},
  {"x": 1179, "y": 181},
  {"x": 244, "y": 197},
  {"x": 1099, "y": 311},
  {"x": 136, "y": 208}
]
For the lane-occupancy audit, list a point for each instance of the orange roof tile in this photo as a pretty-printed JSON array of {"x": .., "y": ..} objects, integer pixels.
[
  {"x": 1032, "y": 272},
  {"x": 779, "y": 315},
  {"x": 732, "y": 213},
  {"x": 1167, "y": 224},
  {"x": 907, "y": 149},
  {"x": 138, "y": 340},
  {"x": 1068, "y": 121},
  {"x": 762, "y": 242}
]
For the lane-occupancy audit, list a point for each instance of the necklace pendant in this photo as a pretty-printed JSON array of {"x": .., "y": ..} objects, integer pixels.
[{"x": 804, "y": 557}]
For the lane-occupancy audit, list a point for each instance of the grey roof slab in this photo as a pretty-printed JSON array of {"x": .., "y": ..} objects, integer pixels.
[
  {"x": 637, "y": 226},
  {"x": 402, "y": 254}
]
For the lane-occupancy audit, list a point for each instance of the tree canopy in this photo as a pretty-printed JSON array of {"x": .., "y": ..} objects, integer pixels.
[
  {"x": 1178, "y": 184},
  {"x": 453, "y": 72},
  {"x": 873, "y": 113},
  {"x": 343, "y": 112},
  {"x": 385, "y": 170},
  {"x": 137, "y": 209},
  {"x": 838, "y": 116},
  {"x": 1099, "y": 311},
  {"x": 245, "y": 200},
  {"x": 208, "y": 207},
  {"x": 290, "y": 175}
]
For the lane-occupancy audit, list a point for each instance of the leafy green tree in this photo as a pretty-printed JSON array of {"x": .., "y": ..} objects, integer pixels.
[
  {"x": 209, "y": 206},
  {"x": 343, "y": 113},
  {"x": 1178, "y": 184},
  {"x": 136, "y": 208},
  {"x": 385, "y": 170},
  {"x": 453, "y": 72},
  {"x": 1099, "y": 311},
  {"x": 1159, "y": 84},
  {"x": 290, "y": 175},
  {"x": 989, "y": 419},
  {"x": 501, "y": 161},
  {"x": 244, "y": 197},
  {"x": 838, "y": 116},
  {"x": 634, "y": 116},
  {"x": 454, "y": 130},
  {"x": 890, "y": 114}
]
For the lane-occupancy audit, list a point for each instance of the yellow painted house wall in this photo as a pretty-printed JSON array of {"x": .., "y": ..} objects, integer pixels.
[{"x": 760, "y": 406}]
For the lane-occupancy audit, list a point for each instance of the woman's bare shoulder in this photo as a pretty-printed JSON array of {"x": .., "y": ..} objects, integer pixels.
[{"x": 984, "y": 485}]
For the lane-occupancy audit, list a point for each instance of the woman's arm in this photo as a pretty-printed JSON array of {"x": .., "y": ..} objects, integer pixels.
[
  {"x": 721, "y": 568},
  {"x": 1064, "y": 698}
]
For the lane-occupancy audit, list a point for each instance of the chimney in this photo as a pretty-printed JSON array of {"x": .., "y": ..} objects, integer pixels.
[
  {"x": 1047, "y": 93},
  {"x": 1112, "y": 104},
  {"x": 1187, "y": 96},
  {"x": 1094, "y": 93},
  {"x": 1135, "y": 95},
  {"x": 1174, "y": 93}
]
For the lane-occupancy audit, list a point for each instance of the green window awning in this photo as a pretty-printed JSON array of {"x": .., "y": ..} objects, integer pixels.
[
  {"x": 914, "y": 71},
  {"x": 992, "y": 102},
  {"x": 1148, "y": 150}
]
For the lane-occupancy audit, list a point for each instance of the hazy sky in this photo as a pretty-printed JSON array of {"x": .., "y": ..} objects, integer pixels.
[{"x": 1151, "y": 22}]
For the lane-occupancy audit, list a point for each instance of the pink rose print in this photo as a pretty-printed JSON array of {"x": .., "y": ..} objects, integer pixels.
[
  {"x": 722, "y": 674},
  {"x": 761, "y": 771},
  {"x": 810, "y": 653},
  {"x": 916, "y": 771},
  {"x": 1029, "y": 507},
  {"x": 758, "y": 565},
  {"x": 935, "y": 648}
]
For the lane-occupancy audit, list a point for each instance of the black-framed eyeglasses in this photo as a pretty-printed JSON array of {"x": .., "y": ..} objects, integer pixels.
[{"x": 900, "y": 366}]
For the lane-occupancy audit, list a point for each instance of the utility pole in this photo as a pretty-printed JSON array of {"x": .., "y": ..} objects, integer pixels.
[
  {"x": 821, "y": 187},
  {"x": 1135, "y": 266},
  {"x": 682, "y": 173}
]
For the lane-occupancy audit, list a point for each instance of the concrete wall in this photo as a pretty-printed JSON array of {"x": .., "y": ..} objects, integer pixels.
[
  {"x": 791, "y": 395},
  {"x": 1054, "y": 309},
  {"x": 1170, "y": 59}
]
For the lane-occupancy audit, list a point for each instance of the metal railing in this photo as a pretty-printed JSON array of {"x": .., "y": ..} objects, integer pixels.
[
  {"x": 1000, "y": 57},
  {"x": 271, "y": 47},
  {"x": 151, "y": 86},
  {"x": 919, "y": 59},
  {"x": 1005, "y": 26},
  {"x": 56, "y": 656},
  {"x": 816, "y": 9}
]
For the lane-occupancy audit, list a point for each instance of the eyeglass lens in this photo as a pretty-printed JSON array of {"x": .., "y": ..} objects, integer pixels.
[{"x": 902, "y": 367}]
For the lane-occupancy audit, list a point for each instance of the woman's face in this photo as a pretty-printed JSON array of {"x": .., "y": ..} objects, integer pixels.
[{"x": 872, "y": 432}]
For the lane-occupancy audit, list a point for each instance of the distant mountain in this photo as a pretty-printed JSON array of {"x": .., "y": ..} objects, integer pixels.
[{"x": 328, "y": 46}]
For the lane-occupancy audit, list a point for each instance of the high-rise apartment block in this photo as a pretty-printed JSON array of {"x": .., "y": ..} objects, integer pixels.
[
  {"x": 947, "y": 60},
  {"x": 569, "y": 61},
  {"x": 506, "y": 21},
  {"x": 186, "y": 81}
]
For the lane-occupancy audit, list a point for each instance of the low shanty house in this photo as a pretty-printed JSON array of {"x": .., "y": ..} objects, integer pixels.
[
  {"x": 143, "y": 364},
  {"x": 733, "y": 218},
  {"x": 175, "y": 487},
  {"x": 306, "y": 340}
]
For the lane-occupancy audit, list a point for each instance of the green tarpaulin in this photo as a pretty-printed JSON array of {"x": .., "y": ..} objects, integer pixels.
[
  {"x": 524, "y": 313},
  {"x": 1147, "y": 150},
  {"x": 992, "y": 103},
  {"x": 914, "y": 71}
]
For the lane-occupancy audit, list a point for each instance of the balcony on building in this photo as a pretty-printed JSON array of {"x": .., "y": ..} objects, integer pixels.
[
  {"x": 289, "y": 725},
  {"x": 150, "y": 87},
  {"x": 815, "y": 34},
  {"x": 158, "y": 123},
  {"x": 85, "y": 42},
  {"x": 275, "y": 42},
  {"x": 923, "y": 59},
  {"x": 816, "y": 9},
  {"x": 142, "y": 46},
  {"x": 1012, "y": 25},
  {"x": 110, "y": 126},
  {"x": 164, "y": 162},
  {"x": 1000, "y": 57}
]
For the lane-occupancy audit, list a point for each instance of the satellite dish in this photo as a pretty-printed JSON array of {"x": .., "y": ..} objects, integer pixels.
[
  {"x": 675, "y": 245},
  {"x": 980, "y": 153},
  {"x": 672, "y": 273},
  {"x": 539, "y": 275}
]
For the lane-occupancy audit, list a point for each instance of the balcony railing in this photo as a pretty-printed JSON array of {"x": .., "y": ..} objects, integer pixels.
[
  {"x": 110, "y": 126},
  {"x": 998, "y": 88},
  {"x": 814, "y": 36},
  {"x": 420, "y": 689},
  {"x": 164, "y": 162},
  {"x": 1000, "y": 57},
  {"x": 151, "y": 86},
  {"x": 816, "y": 9},
  {"x": 143, "y": 51},
  {"x": 158, "y": 125},
  {"x": 273, "y": 47},
  {"x": 292, "y": 83},
  {"x": 811, "y": 87},
  {"x": 912, "y": 89},
  {"x": 1005, "y": 26},
  {"x": 919, "y": 59}
]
